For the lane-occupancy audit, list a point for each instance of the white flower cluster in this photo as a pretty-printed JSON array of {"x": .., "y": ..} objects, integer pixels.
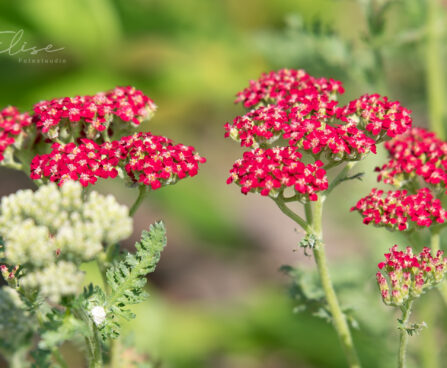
[
  {"x": 53, "y": 230},
  {"x": 36, "y": 226},
  {"x": 15, "y": 322},
  {"x": 54, "y": 281}
]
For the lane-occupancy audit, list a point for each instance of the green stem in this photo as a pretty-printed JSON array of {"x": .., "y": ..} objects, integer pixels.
[
  {"x": 141, "y": 194},
  {"x": 338, "y": 317},
  {"x": 341, "y": 176},
  {"x": 406, "y": 312},
  {"x": 435, "y": 68},
  {"x": 308, "y": 211},
  {"x": 435, "y": 240},
  {"x": 13, "y": 165},
  {"x": 288, "y": 212},
  {"x": 93, "y": 341}
]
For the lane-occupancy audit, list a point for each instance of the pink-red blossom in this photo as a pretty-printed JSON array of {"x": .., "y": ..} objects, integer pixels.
[
  {"x": 377, "y": 115},
  {"x": 404, "y": 276},
  {"x": 415, "y": 154},
  {"x": 273, "y": 170},
  {"x": 12, "y": 124},
  {"x": 290, "y": 107},
  {"x": 155, "y": 161},
  {"x": 286, "y": 86},
  {"x": 87, "y": 116},
  {"x": 399, "y": 210},
  {"x": 146, "y": 159}
]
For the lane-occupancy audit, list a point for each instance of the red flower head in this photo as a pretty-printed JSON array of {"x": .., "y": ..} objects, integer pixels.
[
  {"x": 147, "y": 159},
  {"x": 85, "y": 162},
  {"x": 294, "y": 107},
  {"x": 12, "y": 124},
  {"x": 155, "y": 161},
  {"x": 404, "y": 276},
  {"x": 116, "y": 111},
  {"x": 286, "y": 86},
  {"x": 378, "y": 116},
  {"x": 417, "y": 154},
  {"x": 399, "y": 210},
  {"x": 271, "y": 171}
]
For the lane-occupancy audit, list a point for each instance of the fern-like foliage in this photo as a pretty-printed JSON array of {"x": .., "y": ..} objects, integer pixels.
[{"x": 127, "y": 278}]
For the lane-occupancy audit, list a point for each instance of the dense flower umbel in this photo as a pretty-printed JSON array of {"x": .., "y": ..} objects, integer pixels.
[
  {"x": 286, "y": 86},
  {"x": 404, "y": 276},
  {"x": 66, "y": 230},
  {"x": 308, "y": 125},
  {"x": 62, "y": 224},
  {"x": 155, "y": 161},
  {"x": 377, "y": 115},
  {"x": 311, "y": 120},
  {"x": 86, "y": 116},
  {"x": 147, "y": 159},
  {"x": 85, "y": 162},
  {"x": 12, "y": 123},
  {"x": 416, "y": 154},
  {"x": 271, "y": 171},
  {"x": 291, "y": 106},
  {"x": 400, "y": 210}
]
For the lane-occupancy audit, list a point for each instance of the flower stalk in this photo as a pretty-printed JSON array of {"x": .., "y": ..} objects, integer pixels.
[
  {"x": 141, "y": 194},
  {"x": 338, "y": 317},
  {"x": 313, "y": 225},
  {"x": 406, "y": 313}
]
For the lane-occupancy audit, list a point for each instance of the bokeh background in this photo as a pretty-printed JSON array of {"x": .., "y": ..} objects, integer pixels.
[{"x": 218, "y": 298}]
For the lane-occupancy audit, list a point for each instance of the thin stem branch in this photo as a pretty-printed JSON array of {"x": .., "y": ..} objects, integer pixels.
[
  {"x": 295, "y": 217},
  {"x": 406, "y": 312},
  {"x": 141, "y": 194},
  {"x": 341, "y": 175}
]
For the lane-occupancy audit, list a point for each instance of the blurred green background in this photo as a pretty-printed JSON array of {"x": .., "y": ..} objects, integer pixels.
[{"x": 218, "y": 298}]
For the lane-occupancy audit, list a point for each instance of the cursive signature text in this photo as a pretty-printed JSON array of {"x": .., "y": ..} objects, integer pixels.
[{"x": 16, "y": 46}]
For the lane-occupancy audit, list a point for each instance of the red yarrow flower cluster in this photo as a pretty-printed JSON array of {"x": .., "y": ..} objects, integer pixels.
[
  {"x": 272, "y": 170},
  {"x": 155, "y": 161},
  {"x": 286, "y": 86},
  {"x": 12, "y": 124},
  {"x": 416, "y": 154},
  {"x": 86, "y": 138},
  {"x": 85, "y": 162},
  {"x": 306, "y": 126},
  {"x": 405, "y": 276},
  {"x": 292, "y": 106},
  {"x": 147, "y": 159},
  {"x": 399, "y": 210},
  {"x": 377, "y": 115},
  {"x": 87, "y": 116}
]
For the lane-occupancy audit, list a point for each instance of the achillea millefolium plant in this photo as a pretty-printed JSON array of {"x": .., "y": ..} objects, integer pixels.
[
  {"x": 295, "y": 133},
  {"x": 66, "y": 145}
]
